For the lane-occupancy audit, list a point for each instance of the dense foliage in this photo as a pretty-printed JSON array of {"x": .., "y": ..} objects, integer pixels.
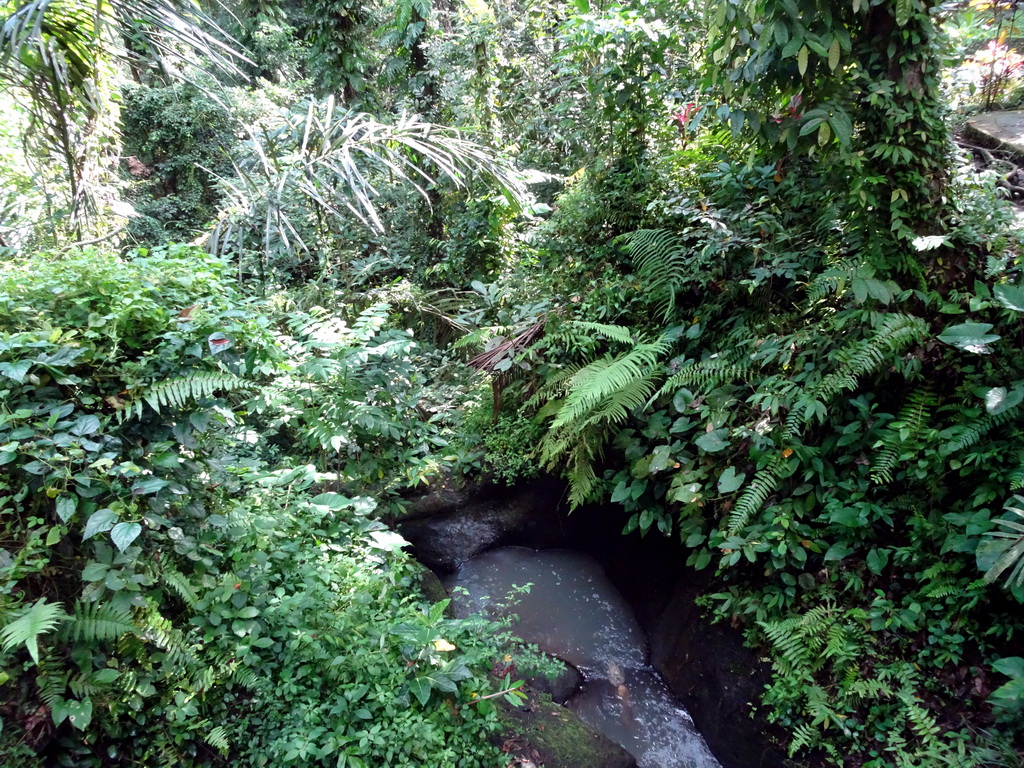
[{"x": 722, "y": 267}]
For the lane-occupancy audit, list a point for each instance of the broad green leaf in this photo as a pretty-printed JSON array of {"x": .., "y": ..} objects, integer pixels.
[
  {"x": 792, "y": 48},
  {"x": 731, "y": 480},
  {"x": 16, "y": 371},
  {"x": 837, "y": 552},
  {"x": 123, "y": 534},
  {"x": 420, "y": 688},
  {"x": 149, "y": 485},
  {"x": 877, "y": 559},
  {"x": 333, "y": 501},
  {"x": 86, "y": 425},
  {"x": 904, "y": 9},
  {"x": 810, "y": 125},
  {"x": 842, "y": 127},
  {"x": 441, "y": 682},
  {"x": 781, "y": 33},
  {"x": 682, "y": 399},
  {"x": 1011, "y": 666},
  {"x": 661, "y": 458},
  {"x": 736, "y": 121},
  {"x": 712, "y": 442},
  {"x": 105, "y": 676},
  {"x": 999, "y": 399},
  {"x": 387, "y": 540},
  {"x": 79, "y": 713},
  {"x": 971, "y": 337},
  {"x": 1010, "y": 296},
  {"x": 100, "y": 521},
  {"x": 95, "y": 572},
  {"x": 66, "y": 505},
  {"x": 621, "y": 492},
  {"x": 824, "y": 134},
  {"x": 646, "y": 518}
]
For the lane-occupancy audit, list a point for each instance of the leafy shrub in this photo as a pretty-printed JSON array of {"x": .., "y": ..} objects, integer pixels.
[
  {"x": 823, "y": 434},
  {"x": 168, "y": 597}
]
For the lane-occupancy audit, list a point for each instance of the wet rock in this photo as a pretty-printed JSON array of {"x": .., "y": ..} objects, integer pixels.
[
  {"x": 707, "y": 666},
  {"x": 544, "y": 733},
  {"x": 559, "y": 687},
  {"x": 433, "y": 590},
  {"x": 443, "y": 495},
  {"x": 446, "y": 527}
]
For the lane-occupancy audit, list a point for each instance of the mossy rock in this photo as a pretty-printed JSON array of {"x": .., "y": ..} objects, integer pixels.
[
  {"x": 559, "y": 687},
  {"x": 550, "y": 735},
  {"x": 433, "y": 590}
]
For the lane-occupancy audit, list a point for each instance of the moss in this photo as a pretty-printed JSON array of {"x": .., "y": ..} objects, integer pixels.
[{"x": 551, "y": 735}]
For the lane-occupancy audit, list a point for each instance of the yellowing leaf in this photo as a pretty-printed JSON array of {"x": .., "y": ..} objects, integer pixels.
[
  {"x": 833, "y": 55},
  {"x": 801, "y": 60},
  {"x": 443, "y": 645},
  {"x": 824, "y": 134}
]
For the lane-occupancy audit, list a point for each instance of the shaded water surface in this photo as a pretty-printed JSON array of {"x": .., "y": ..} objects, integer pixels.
[{"x": 572, "y": 611}]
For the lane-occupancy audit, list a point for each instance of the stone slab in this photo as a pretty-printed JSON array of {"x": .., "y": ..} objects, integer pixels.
[{"x": 1002, "y": 129}]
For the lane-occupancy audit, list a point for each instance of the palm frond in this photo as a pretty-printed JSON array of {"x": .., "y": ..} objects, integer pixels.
[{"x": 325, "y": 159}]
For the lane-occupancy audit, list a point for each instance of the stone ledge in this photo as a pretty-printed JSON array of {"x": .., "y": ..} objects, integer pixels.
[{"x": 998, "y": 130}]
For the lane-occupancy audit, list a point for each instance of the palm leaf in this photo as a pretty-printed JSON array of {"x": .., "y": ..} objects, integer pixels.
[{"x": 325, "y": 160}]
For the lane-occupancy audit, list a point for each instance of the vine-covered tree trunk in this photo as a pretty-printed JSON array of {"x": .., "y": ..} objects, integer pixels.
[
  {"x": 855, "y": 83},
  {"x": 903, "y": 136}
]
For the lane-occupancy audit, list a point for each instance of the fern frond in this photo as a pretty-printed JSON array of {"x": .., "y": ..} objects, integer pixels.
[
  {"x": 765, "y": 482},
  {"x": 663, "y": 265},
  {"x": 708, "y": 374},
  {"x": 1016, "y": 478},
  {"x": 804, "y": 735},
  {"x": 29, "y": 623},
  {"x": 968, "y": 435},
  {"x": 855, "y": 361},
  {"x": 901, "y": 433},
  {"x": 177, "y": 581},
  {"x": 245, "y": 677},
  {"x": 92, "y": 622},
  {"x": 554, "y": 387},
  {"x": 179, "y": 392},
  {"x": 51, "y": 678},
  {"x": 617, "y": 333},
  {"x": 920, "y": 720},
  {"x": 600, "y": 395},
  {"x": 605, "y": 376},
  {"x": 218, "y": 739}
]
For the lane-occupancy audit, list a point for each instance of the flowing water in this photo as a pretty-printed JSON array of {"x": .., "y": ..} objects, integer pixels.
[{"x": 572, "y": 611}]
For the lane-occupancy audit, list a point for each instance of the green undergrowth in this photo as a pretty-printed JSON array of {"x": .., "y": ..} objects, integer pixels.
[
  {"x": 191, "y": 571},
  {"x": 837, "y": 441}
]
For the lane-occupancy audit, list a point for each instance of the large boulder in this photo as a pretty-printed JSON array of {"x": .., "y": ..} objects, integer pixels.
[{"x": 447, "y": 526}]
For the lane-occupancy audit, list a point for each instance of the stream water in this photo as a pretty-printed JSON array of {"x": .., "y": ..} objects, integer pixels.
[{"x": 573, "y": 611}]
